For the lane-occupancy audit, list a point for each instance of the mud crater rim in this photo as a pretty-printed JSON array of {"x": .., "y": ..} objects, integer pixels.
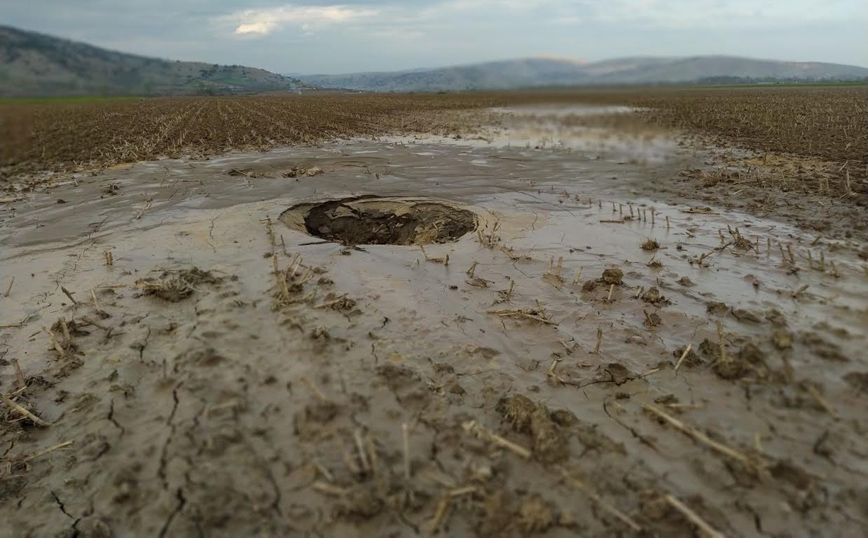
[{"x": 382, "y": 220}]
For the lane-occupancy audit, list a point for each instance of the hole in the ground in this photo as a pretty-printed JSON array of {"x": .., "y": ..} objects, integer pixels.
[{"x": 382, "y": 221}]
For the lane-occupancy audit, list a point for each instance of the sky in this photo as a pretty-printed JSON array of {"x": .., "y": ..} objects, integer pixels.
[{"x": 323, "y": 36}]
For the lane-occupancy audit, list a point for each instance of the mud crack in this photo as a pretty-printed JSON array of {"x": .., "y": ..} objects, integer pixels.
[
  {"x": 111, "y": 418},
  {"x": 182, "y": 501}
]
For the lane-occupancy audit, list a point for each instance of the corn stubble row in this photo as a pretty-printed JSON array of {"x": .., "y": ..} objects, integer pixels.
[{"x": 821, "y": 122}]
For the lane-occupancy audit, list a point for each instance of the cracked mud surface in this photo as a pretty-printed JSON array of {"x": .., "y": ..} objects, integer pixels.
[{"x": 227, "y": 375}]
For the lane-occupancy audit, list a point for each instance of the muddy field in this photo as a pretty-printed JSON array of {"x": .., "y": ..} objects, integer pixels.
[{"x": 532, "y": 327}]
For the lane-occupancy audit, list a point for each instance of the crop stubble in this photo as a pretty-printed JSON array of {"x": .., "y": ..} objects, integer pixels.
[{"x": 825, "y": 123}]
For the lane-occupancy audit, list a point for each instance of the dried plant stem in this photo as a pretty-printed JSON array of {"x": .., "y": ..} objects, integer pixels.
[
  {"x": 329, "y": 489},
  {"x": 96, "y": 303},
  {"x": 800, "y": 290},
  {"x": 23, "y": 412},
  {"x": 440, "y": 513},
  {"x": 599, "y": 341},
  {"x": 466, "y": 490},
  {"x": 295, "y": 264},
  {"x": 57, "y": 347},
  {"x": 360, "y": 446},
  {"x": 143, "y": 210},
  {"x": 68, "y": 294},
  {"x": 19, "y": 375},
  {"x": 330, "y": 303},
  {"x": 581, "y": 486},
  {"x": 473, "y": 428},
  {"x": 29, "y": 316},
  {"x": 65, "y": 329},
  {"x": 705, "y": 439},
  {"x": 323, "y": 471},
  {"x": 319, "y": 395},
  {"x": 89, "y": 321},
  {"x": 822, "y": 402},
  {"x": 723, "y": 355},
  {"x": 578, "y": 276},
  {"x": 405, "y": 434},
  {"x": 269, "y": 229},
  {"x": 372, "y": 454},
  {"x": 47, "y": 451},
  {"x": 693, "y": 517},
  {"x": 683, "y": 356},
  {"x": 522, "y": 313}
]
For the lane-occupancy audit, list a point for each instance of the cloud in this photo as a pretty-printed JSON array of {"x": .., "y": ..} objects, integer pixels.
[
  {"x": 264, "y": 27},
  {"x": 353, "y": 35},
  {"x": 711, "y": 14},
  {"x": 261, "y": 22}
]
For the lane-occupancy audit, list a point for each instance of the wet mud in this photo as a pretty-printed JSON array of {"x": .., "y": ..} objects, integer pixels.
[{"x": 594, "y": 357}]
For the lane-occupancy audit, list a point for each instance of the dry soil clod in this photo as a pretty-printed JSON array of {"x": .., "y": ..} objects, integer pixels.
[{"x": 650, "y": 244}]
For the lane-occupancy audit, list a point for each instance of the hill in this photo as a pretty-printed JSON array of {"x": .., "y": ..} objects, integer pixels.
[
  {"x": 539, "y": 72},
  {"x": 33, "y": 64}
]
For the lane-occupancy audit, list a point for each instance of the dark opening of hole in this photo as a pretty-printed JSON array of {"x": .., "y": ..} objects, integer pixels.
[{"x": 384, "y": 221}]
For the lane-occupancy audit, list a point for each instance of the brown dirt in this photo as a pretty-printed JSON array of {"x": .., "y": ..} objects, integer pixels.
[{"x": 301, "y": 387}]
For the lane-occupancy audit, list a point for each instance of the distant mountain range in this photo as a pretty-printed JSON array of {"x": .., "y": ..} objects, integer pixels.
[
  {"x": 540, "y": 72},
  {"x": 33, "y": 64}
]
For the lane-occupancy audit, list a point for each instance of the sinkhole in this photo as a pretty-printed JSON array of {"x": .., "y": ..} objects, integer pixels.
[{"x": 370, "y": 220}]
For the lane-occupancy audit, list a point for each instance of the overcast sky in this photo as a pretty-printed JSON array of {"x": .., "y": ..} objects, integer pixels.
[{"x": 321, "y": 36}]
